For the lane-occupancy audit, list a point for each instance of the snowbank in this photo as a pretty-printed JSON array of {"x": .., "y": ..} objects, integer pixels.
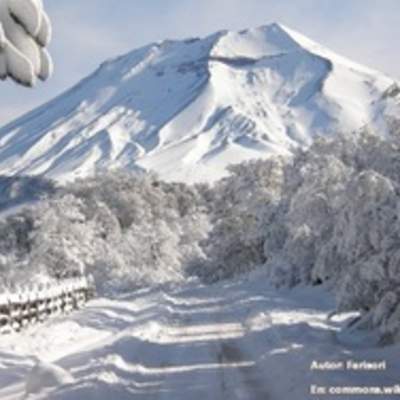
[{"x": 46, "y": 376}]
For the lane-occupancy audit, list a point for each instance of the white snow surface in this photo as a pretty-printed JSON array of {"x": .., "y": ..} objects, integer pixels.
[
  {"x": 236, "y": 340},
  {"x": 46, "y": 376},
  {"x": 188, "y": 109}
]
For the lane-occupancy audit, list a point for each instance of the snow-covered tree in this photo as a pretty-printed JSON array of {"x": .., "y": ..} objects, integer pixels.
[
  {"x": 127, "y": 230},
  {"x": 242, "y": 205},
  {"x": 25, "y": 32},
  {"x": 328, "y": 215}
]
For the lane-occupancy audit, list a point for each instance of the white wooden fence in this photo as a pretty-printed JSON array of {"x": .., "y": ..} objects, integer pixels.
[{"x": 33, "y": 304}]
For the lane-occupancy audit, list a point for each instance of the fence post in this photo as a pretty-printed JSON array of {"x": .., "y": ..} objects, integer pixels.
[{"x": 19, "y": 308}]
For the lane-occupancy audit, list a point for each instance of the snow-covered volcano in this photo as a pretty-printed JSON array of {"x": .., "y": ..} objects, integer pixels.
[{"x": 187, "y": 109}]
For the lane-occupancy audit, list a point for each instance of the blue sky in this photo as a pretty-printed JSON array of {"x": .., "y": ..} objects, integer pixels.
[{"x": 86, "y": 32}]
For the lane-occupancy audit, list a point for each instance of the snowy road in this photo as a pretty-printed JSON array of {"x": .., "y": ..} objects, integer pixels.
[{"x": 234, "y": 341}]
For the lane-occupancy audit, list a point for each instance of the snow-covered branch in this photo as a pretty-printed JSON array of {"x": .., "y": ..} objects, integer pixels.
[{"x": 25, "y": 32}]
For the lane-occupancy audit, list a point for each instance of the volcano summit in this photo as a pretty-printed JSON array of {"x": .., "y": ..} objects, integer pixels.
[{"x": 187, "y": 109}]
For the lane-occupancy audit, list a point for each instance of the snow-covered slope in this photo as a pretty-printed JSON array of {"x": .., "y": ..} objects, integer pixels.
[
  {"x": 238, "y": 340},
  {"x": 187, "y": 109}
]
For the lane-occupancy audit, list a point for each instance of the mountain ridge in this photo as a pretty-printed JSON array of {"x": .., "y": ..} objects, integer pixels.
[{"x": 187, "y": 109}]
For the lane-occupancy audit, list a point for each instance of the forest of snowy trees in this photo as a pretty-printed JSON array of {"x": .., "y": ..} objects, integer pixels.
[{"x": 328, "y": 215}]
